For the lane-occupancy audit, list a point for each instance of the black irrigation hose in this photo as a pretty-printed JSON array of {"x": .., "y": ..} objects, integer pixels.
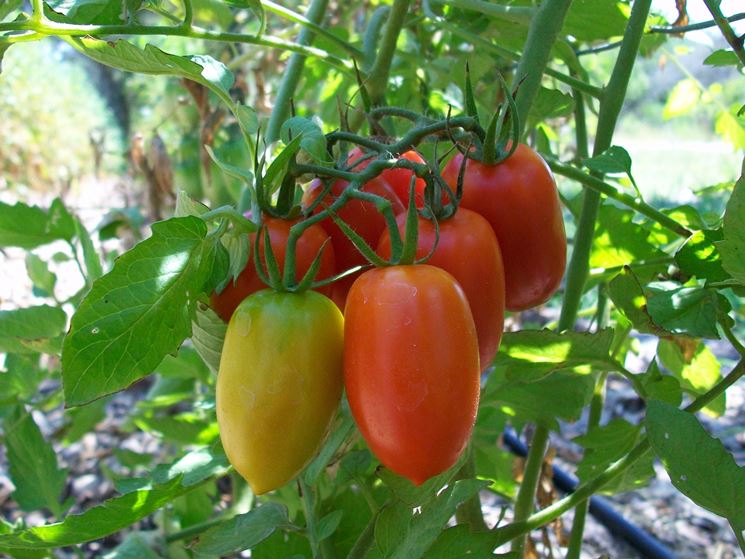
[{"x": 601, "y": 509}]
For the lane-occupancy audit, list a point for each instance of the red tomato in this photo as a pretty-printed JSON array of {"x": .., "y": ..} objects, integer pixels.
[
  {"x": 519, "y": 199},
  {"x": 411, "y": 367},
  {"x": 468, "y": 250},
  {"x": 306, "y": 250},
  {"x": 399, "y": 180}
]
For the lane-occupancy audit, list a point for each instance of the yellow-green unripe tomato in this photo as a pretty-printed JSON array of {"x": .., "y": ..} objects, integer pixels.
[{"x": 279, "y": 385}]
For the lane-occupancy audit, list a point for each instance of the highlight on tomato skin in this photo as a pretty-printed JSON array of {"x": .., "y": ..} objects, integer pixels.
[
  {"x": 468, "y": 249},
  {"x": 248, "y": 281},
  {"x": 279, "y": 384},
  {"x": 411, "y": 367},
  {"x": 520, "y": 200}
]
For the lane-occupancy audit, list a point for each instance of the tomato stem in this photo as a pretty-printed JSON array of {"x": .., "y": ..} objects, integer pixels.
[
  {"x": 529, "y": 484},
  {"x": 610, "y": 108}
]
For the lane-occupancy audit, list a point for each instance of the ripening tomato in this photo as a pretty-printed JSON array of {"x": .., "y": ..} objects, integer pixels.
[
  {"x": 279, "y": 384},
  {"x": 519, "y": 199},
  {"x": 306, "y": 250},
  {"x": 411, "y": 367},
  {"x": 468, "y": 250}
]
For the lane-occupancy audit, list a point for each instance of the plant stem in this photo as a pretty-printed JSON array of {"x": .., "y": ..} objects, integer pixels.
[
  {"x": 692, "y": 27},
  {"x": 293, "y": 72},
  {"x": 601, "y": 187},
  {"x": 531, "y": 476},
  {"x": 542, "y": 34},
  {"x": 739, "y": 537},
  {"x": 469, "y": 512},
  {"x": 729, "y": 34},
  {"x": 610, "y": 108},
  {"x": 188, "y": 14},
  {"x": 377, "y": 79},
  {"x": 593, "y": 420}
]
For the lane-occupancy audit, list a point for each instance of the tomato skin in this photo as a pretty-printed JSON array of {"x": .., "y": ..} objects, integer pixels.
[
  {"x": 411, "y": 367},
  {"x": 279, "y": 384},
  {"x": 519, "y": 199},
  {"x": 468, "y": 250},
  {"x": 307, "y": 248},
  {"x": 399, "y": 180}
]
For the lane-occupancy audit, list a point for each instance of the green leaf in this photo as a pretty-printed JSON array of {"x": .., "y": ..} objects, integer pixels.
[
  {"x": 460, "y": 541},
  {"x": 698, "y": 464},
  {"x": 530, "y": 355},
  {"x": 591, "y": 20},
  {"x": 239, "y": 250},
  {"x": 732, "y": 248},
  {"x": 138, "y": 545},
  {"x": 191, "y": 469},
  {"x": 276, "y": 171},
  {"x": 207, "y": 335},
  {"x": 90, "y": 256},
  {"x": 29, "y": 227},
  {"x": 627, "y": 294},
  {"x": 619, "y": 241},
  {"x": 151, "y": 60},
  {"x": 32, "y": 464},
  {"x": 38, "y": 271},
  {"x": 730, "y": 125},
  {"x": 422, "y": 530},
  {"x": 22, "y": 377},
  {"x": 248, "y": 120},
  {"x": 559, "y": 395},
  {"x": 684, "y": 310},
  {"x": 31, "y": 329},
  {"x": 694, "y": 365},
  {"x": 243, "y": 175},
  {"x": 683, "y": 99},
  {"x": 612, "y": 161},
  {"x": 312, "y": 139},
  {"x": 137, "y": 313},
  {"x": 84, "y": 419},
  {"x": 604, "y": 445},
  {"x": 243, "y": 531},
  {"x": 343, "y": 428},
  {"x": 722, "y": 57},
  {"x": 95, "y": 523},
  {"x": 328, "y": 524},
  {"x": 550, "y": 103},
  {"x": 700, "y": 257},
  {"x": 186, "y": 205},
  {"x": 9, "y": 6},
  {"x": 187, "y": 365},
  {"x": 660, "y": 387},
  {"x": 100, "y": 12}
]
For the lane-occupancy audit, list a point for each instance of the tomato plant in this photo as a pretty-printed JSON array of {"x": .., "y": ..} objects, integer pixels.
[
  {"x": 274, "y": 407},
  {"x": 519, "y": 199},
  {"x": 313, "y": 240},
  {"x": 468, "y": 250},
  {"x": 411, "y": 367}
]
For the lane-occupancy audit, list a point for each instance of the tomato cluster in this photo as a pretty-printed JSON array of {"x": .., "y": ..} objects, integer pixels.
[{"x": 413, "y": 340}]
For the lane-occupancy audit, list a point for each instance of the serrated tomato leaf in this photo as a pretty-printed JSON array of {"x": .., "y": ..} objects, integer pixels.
[{"x": 139, "y": 312}]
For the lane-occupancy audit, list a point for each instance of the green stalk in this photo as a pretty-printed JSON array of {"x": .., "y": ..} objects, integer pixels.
[
  {"x": 544, "y": 29},
  {"x": 469, "y": 512},
  {"x": 593, "y": 420},
  {"x": 729, "y": 34},
  {"x": 293, "y": 72},
  {"x": 531, "y": 476},
  {"x": 377, "y": 79},
  {"x": 610, "y": 108}
]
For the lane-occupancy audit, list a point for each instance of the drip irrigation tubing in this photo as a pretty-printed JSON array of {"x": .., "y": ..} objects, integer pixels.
[{"x": 647, "y": 545}]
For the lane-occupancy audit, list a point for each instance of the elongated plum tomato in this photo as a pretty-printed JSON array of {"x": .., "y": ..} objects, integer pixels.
[
  {"x": 519, "y": 199},
  {"x": 279, "y": 384},
  {"x": 400, "y": 179},
  {"x": 468, "y": 250},
  {"x": 411, "y": 367},
  {"x": 306, "y": 250}
]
